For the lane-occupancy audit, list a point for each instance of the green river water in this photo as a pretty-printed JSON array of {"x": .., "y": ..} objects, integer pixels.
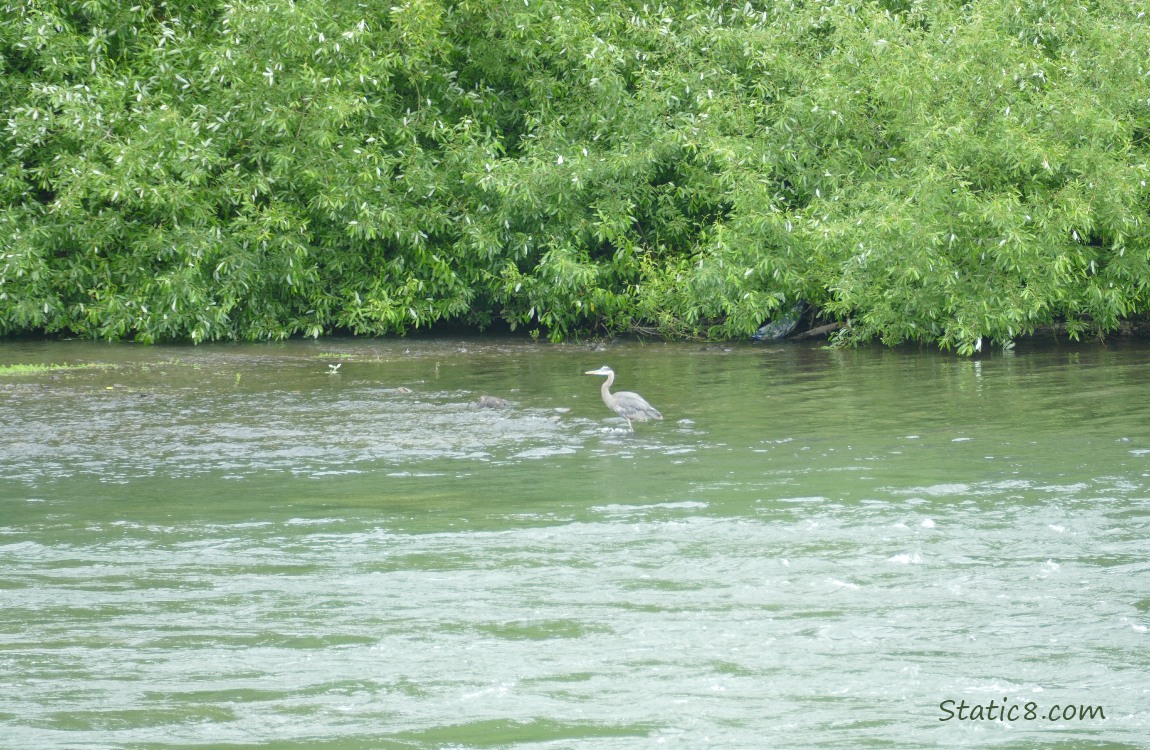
[{"x": 233, "y": 546}]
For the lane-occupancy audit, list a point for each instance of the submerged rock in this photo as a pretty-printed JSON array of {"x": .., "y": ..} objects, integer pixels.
[{"x": 491, "y": 402}]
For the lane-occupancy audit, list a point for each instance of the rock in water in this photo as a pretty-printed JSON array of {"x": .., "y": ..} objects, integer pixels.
[
  {"x": 491, "y": 402},
  {"x": 782, "y": 326}
]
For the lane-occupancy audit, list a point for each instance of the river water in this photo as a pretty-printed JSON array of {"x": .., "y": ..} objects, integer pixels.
[{"x": 244, "y": 546}]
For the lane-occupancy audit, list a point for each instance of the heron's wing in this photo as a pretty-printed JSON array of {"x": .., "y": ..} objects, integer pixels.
[{"x": 634, "y": 406}]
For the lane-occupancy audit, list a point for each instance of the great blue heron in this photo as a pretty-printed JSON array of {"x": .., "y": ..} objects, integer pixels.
[{"x": 629, "y": 406}]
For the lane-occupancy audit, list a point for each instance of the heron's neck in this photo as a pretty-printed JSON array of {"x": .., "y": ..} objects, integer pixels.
[{"x": 606, "y": 387}]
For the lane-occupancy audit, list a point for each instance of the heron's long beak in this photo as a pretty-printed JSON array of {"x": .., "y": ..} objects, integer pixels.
[{"x": 600, "y": 371}]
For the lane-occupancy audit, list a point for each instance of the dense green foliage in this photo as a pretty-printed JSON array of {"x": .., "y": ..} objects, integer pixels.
[{"x": 935, "y": 171}]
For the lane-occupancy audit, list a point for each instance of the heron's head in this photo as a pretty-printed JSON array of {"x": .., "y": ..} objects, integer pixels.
[{"x": 604, "y": 370}]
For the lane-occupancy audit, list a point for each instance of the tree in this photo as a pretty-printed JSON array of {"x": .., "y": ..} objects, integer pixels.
[{"x": 930, "y": 171}]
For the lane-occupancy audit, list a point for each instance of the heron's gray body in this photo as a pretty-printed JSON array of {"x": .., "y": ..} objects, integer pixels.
[{"x": 628, "y": 405}]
